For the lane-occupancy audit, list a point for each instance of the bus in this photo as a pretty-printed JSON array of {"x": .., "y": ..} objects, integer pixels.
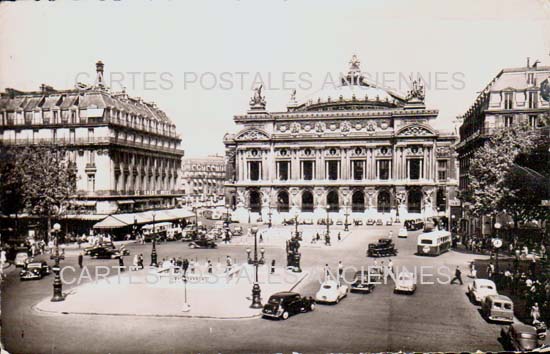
[{"x": 434, "y": 243}]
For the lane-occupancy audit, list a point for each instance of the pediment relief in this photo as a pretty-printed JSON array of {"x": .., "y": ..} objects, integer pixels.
[
  {"x": 252, "y": 135},
  {"x": 415, "y": 130}
]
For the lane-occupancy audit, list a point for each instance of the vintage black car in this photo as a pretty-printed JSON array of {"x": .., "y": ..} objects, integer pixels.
[
  {"x": 34, "y": 270},
  {"x": 370, "y": 222},
  {"x": 384, "y": 248},
  {"x": 413, "y": 225},
  {"x": 87, "y": 250},
  {"x": 105, "y": 253},
  {"x": 284, "y": 304},
  {"x": 519, "y": 337},
  {"x": 203, "y": 243},
  {"x": 363, "y": 282}
]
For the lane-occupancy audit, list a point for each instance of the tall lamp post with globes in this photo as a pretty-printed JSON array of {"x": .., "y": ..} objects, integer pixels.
[
  {"x": 346, "y": 225},
  {"x": 497, "y": 243},
  {"x": 154, "y": 250},
  {"x": 256, "y": 291},
  {"x": 57, "y": 285}
]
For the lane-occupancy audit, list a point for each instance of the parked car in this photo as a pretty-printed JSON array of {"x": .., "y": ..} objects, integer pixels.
[
  {"x": 389, "y": 222},
  {"x": 339, "y": 222},
  {"x": 498, "y": 308},
  {"x": 308, "y": 222},
  {"x": 405, "y": 283},
  {"x": 105, "y": 253},
  {"x": 284, "y": 304},
  {"x": 357, "y": 222},
  {"x": 403, "y": 233},
  {"x": 362, "y": 282},
  {"x": 331, "y": 292},
  {"x": 370, "y": 222},
  {"x": 34, "y": 270},
  {"x": 519, "y": 337},
  {"x": 384, "y": 248},
  {"x": 379, "y": 222},
  {"x": 479, "y": 289},
  {"x": 203, "y": 243},
  {"x": 21, "y": 259}
]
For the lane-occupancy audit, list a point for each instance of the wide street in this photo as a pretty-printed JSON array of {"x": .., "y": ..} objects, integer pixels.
[{"x": 437, "y": 317}]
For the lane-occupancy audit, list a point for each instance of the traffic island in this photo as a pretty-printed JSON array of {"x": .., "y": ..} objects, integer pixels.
[{"x": 226, "y": 295}]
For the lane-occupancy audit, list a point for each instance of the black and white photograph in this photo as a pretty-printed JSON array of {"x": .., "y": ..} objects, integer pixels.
[{"x": 282, "y": 176}]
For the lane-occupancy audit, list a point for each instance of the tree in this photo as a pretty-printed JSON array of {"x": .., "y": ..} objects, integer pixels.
[
  {"x": 499, "y": 182},
  {"x": 11, "y": 187},
  {"x": 47, "y": 181}
]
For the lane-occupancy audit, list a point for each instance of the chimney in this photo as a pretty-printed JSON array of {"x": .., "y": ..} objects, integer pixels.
[{"x": 99, "y": 70}]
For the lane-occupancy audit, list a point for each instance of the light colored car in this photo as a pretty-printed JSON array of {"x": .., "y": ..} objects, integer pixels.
[
  {"x": 20, "y": 259},
  {"x": 479, "y": 289},
  {"x": 331, "y": 292},
  {"x": 403, "y": 233},
  {"x": 405, "y": 283}
]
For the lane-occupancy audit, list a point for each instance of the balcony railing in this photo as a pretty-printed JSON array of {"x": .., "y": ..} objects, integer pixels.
[{"x": 87, "y": 141}]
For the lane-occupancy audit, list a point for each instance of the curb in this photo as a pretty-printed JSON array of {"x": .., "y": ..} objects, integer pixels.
[{"x": 35, "y": 308}]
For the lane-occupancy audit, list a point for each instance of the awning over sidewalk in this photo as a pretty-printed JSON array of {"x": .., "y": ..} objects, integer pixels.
[{"x": 116, "y": 221}]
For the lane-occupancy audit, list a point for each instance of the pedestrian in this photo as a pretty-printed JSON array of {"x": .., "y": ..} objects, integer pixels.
[
  {"x": 80, "y": 259},
  {"x": 140, "y": 261},
  {"x": 261, "y": 237},
  {"x": 121, "y": 263},
  {"x": 272, "y": 266},
  {"x": 339, "y": 237},
  {"x": 458, "y": 276},
  {"x": 192, "y": 266},
  {"x": 135, "y": 263},
  {"x": 390, "y": 234},
  {"x": 390, "y": 266},
  {"x": 209, "y": 266},
  {"x": 340, "y": 269},
  {"x": 185, "y": 266},
  {"x": 327, "y": 271},
  {"x": 535, "y": 312},
  {"x": 473, "y": 271},
  {"x": 490, "y": 270},
  {"x": 228, "y": 264}
]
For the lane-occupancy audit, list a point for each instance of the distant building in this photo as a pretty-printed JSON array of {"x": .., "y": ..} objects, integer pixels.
[
  {"x": 512, "y": 97},
  {"x": 203, "y": 179},
  {"x": 355, "y": 149},
  {"x": 125, "y": 151}
]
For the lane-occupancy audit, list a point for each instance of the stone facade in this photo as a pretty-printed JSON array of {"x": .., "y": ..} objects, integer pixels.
[
  {"x": 203, "y": 179},
  {"x": 358, "y": 149},
  {"x": 125, "y": 151}
]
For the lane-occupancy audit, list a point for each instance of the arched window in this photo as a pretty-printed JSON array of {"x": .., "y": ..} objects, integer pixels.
[
  {"x": 333, "y": 202},
  {"x": 383, "y": 204},
  {"x": 307, "y": 201},
  {"x": 358, "y": 202},
  {"x": 414, "y": 204},
  {"x": 255, "y": 202},
  {"x": 282, "y": 201}
]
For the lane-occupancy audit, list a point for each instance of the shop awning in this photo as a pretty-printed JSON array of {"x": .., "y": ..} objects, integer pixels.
[{"x": 116, "y": 221}]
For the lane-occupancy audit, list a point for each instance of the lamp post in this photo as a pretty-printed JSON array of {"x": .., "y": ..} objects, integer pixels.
[
  {"x": 57, "y": 285},
  {"x": 226, "y": 226},
  {"x": 296, "y": 225},
  {"x": 346, "y": 225},
  {"x": 497, "y": 243},
  {"x": 328, "y": 221},
  {"x": 186, "y": 306},
  {"x": 269, "y": 215},
  {"x": 256, "y": 291},
  {"x": 154, "y": 250}
]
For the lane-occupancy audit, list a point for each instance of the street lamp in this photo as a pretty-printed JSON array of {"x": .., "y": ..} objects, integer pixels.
[
  {"x": 57, "y": 285},
  {"x": 226, "y": 226},
  {"x": 328, "y": 221},
  {"x": 346, "y": 225},
  {"x": 497, "y": 243},
  {"x": 154, "y": 250},
  {"x": 186, "y": 306},
  {"x": 296, "y": 225},
  {"x": 256, "y": 291},
  {"x": 269, "y": 214}
]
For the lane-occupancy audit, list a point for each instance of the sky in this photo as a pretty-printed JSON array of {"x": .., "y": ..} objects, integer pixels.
[{"x": 200, "y": 60}]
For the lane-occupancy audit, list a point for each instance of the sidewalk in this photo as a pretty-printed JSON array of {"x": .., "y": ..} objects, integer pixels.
[{"x": 146, "y": 293}]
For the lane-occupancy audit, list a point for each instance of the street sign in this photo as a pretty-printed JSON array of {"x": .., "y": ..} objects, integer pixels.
[{"x": 497, "y": 243}]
